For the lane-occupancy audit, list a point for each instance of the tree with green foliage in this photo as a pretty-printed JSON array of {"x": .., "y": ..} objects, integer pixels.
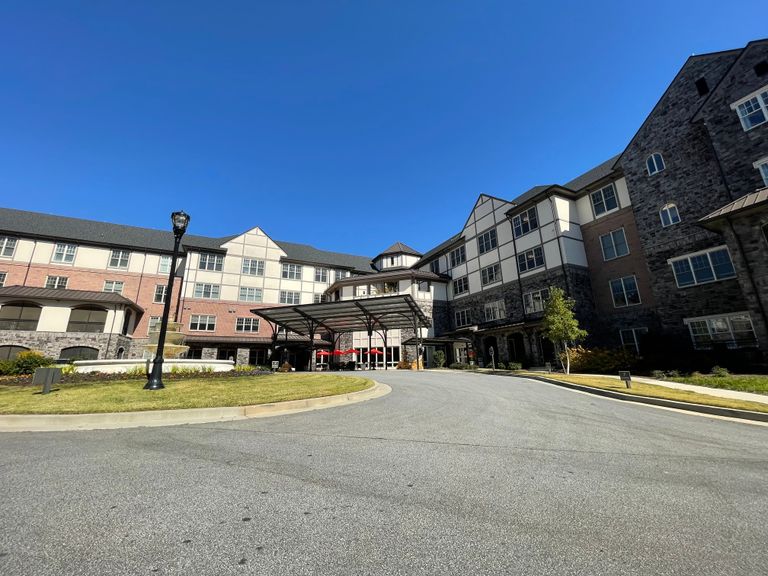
[
  {"x": 560, "y": 325},
  {"x": 439, "y": 358}
]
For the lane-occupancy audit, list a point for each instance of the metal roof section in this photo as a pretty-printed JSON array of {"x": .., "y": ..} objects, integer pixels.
[
  {"x": 746, "y": 203},
  {"x": 594, "y": 175},
  {"x": 35, "y": 293},
  {"x": 399, "y": 248},
  {"x": 365, "y": 315},
  {"x": 400, "y": 274},
  {"x": 439, "y": 249},
  {"x": 310, "y": 254}
]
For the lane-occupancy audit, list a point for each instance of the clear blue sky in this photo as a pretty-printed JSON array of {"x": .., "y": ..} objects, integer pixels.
[{"x": 347, "y": 125}]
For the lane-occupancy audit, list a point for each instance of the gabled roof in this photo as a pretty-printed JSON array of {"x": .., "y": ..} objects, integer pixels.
[
  {"x": 399, "y": 248},
  {"x": 437, "y": 250},
  {"x": 310, "y": 254},
  {"x": 88, "y": 296}
]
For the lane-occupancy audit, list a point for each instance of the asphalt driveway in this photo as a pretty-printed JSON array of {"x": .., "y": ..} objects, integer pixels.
[{"x": 451, "y": 473}]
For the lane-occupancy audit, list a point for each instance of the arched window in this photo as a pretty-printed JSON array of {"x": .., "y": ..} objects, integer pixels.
[
  {"x": 669, "y": 215},
  {"x": 87, "y": 319},
  {"x": 10, "y": 352},
  {"x": 120, "y": 353},
  {"x": 655, "y": 163},
  {"x": 19, "y": 316},
  {"x": 79, "y": 353}
]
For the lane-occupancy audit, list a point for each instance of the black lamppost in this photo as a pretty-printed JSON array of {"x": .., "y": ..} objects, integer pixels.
[{"x": 180, "y": 222}]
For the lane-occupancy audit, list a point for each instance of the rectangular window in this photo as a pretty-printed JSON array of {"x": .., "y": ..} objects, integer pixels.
[
  {"x": 119, "y": 259},
  {"x": 292, "y": 271},
  {"x": 458, "y": 256},
  {"x": 154, "y": 324},
  {"x": 530, "y": 259},
  {"x": 614, "y": 244},
  {"x": 424, "y": 286},
  {"x": 604, "y": 200},
  {"x": 160, "y": 290},
  {"x": 213, "y": 262},
  {"x": 535, "y": 301},
  {"x": 208, "y": 291},
  {"x": 624, "y": 292},
  {"x": 247, "y": 325},
  {"x": 462, "y": 318},
  {"x": 630, "y": 338},
  {"x": 164, "y": 267},
  {"x": 703, "y": 267},
  {"x": 341, "y": 274},
  {"x": 490, "y": 274},
  {"x": 731, "y": 331},
  {"x": 56, "y": 282},
  {"x": 761, "y": 165},
  {"x": 487, "y": 241},
  {"x": 321, "y": 275},
  {"x": 752, "y": 110},
  {"x": 460, "y": 286},
  {"x": 7, "y": 246},
  {"x": 434, "y": 266},
  {"x": 249, "y": 294},
  {"x": 494, "y": 311},
  {"x": 3, "y": 276},
  {"x": 525, "y": 222},
  {"x": 287, "y": 297},
  {"x": 361, "y": 290},
  {"x": 64, "y": 253},
  {"x": 320, "y": 298},
  {"x": 253, "y": 267},
  {"x": 115, "y": 286},
  {"x": 202, "y": 322}
]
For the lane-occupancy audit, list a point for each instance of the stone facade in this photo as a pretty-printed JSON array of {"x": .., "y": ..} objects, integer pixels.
[{"x": 52, "y": 344}]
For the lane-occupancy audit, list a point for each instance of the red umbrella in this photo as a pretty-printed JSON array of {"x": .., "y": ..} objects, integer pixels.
[
  {"x": 323, "y": 353},
  {"x": 376, "y": 352},
  {"x": 350, "y": 351},
  {"x": 339, "y": 352}
]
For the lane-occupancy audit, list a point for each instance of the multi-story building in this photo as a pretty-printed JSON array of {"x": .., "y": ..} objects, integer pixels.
[{"x": 664, "y": 245}]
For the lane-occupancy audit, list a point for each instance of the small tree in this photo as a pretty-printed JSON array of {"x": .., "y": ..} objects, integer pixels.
[
  {"x": 560, "y": 325},
  {"x": 439, "y": 357}
]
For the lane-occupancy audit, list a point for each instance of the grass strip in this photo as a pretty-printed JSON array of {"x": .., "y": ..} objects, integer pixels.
[
  {"x": 755, "y": 383},
  {"x": 129, "y": 396}
]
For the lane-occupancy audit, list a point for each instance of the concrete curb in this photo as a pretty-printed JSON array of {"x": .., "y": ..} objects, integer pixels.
[
  {"x": 111, "y": 420},
  {"x": 688, "y": 406}
]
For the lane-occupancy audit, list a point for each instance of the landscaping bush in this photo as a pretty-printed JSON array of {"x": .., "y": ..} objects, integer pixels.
[
  {"x": 501, "y": 366},
  {"x": 439, "y": 357},
  {"x": 459, "y": 366},
  {"x": 286, "y": 367},
  {"x": 719, "y": 372},
  {"x": 404, "y": 365},
  {"x": 658, "y": 374},
  {"x": 600, "y": 360},
  {"x": 27, "y": 362},
  {"x": 514, "y": 366},
  {"x": 7, "y": 367}
]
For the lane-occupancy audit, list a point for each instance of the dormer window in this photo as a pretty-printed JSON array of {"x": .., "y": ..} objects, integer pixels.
[
  {"x": 669, "y": 215},
  {"x": 604, "y": 200},
  {"x": 752, "y": 109},
  {"x": 655, "y": 163}
]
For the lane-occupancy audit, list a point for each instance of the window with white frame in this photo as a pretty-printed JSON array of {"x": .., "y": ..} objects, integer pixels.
[
  {"x": 341, "y": 274},
  {"x": 247, "y": 324},
  {"x": 434, "y": 266},
  {"x": 160, "y": 291},
  {"x": 164, "y": 266},
  {"x": 213, "y": 262},
  {"x": 525, "y": 222},
  {"x": 119, "y": 259},
  {"x": 761, "y": 166},
  {"x": 458, "y": 256},
  {"x": 460, "y": 286},
  {"x": 154, "y": 324},
  {"x": 614, "y": 244},
  {"x": 288, "y": 297},
  {"x": 253, "y": 267},
  {"x": 490, "y": 274},
  {"x": 292, "y": 271},
  {"x": 669, "y": 215},
  {"x": 3, "y": 276},
  {"x": 202, "y": 322},
  {"x": 630, "y": 338},
  {"x": 64, "y": 253},
  {"x": 7, "y": 246},
  {"x": 462, "y": 318},
  {"x": 752, "y": 109},
  {"x": 115, "y": 286},
  {"x": 56, "y": 282},
  {"x": 535, "y": 301},
  {"x": 207, "y": 291},
  {"x": 424, "y": 286},
  {"x": 530, "y": 259},
  {"x": 361, "y": 290},
  {"x": 248, "y": 294},
  {"x": 320, "y": 298},
  {"x": 625, "y": 292},
  {"x": 321, "y": 275},
  {"x": 654, "y": 164},
  {"x": 487, "y": 241},
  {"x": 731, "y": 330},
  {"x": 703, "y": 267},
  {"x": 604, "y": 200},
  {"x": 494, "y": 310}
]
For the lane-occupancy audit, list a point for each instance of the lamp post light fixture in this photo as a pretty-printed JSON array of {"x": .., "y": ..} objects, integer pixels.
[{"x": 180, "y": 221}]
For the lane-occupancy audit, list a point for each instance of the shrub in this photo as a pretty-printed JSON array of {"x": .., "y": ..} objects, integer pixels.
[
  {"x": 26, "y": 362},
  {"x": 245, "y": 368},
  {"x": 459, "y": 366},
  {"x": 404, "y": 364},
  {"x": 514, "y": 366},
  {"x": 286, "y": 367},
  {"x": 7, "y": 367},
  {"x": 439, "y": 357},
  {"x": 658, "y": 374},
  {"x": 719, "y": 372},
  {"x": 501, "y": 366},
  {"x": 599, "y": 360},
  {"x": 673, "y": 374}
]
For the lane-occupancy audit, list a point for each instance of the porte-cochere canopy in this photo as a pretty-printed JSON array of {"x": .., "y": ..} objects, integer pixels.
[{"x": 366, "y": 315}]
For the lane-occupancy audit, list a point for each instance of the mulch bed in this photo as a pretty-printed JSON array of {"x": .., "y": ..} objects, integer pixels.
[{"x": 26, "y": 379}]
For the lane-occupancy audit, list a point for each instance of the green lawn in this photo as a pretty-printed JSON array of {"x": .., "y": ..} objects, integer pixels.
[
  {"x": 744, "y": 383},
  {"x": 128, "y": 396},
  {"x": 640, "y": 389}
]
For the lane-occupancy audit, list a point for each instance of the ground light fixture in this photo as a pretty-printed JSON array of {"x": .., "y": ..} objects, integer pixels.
[{"x": 180, "y": 221}]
